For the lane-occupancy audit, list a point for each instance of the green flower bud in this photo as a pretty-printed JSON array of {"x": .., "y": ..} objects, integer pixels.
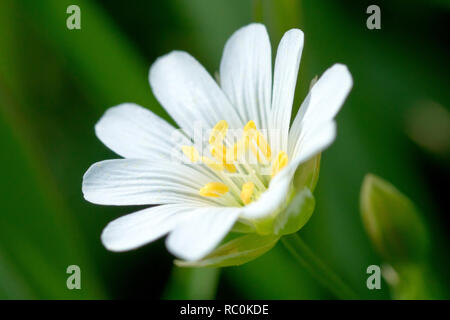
[{"x": 392, "y": 222}]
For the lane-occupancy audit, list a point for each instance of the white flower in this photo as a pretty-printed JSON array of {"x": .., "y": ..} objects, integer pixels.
[{"x": 244, "y": 183}]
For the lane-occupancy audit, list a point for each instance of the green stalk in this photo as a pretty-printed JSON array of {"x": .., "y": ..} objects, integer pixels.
[
  {"x": 319, "y": 270},
  {"x": 192, "y": 284}
]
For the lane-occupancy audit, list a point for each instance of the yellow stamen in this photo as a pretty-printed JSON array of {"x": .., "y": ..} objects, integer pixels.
[
  {"x": 219, "y": 151},
  {"x": 263, "y": 145},
  {"x": 212, "y": 164},
  {"x": 280, "y": 162},
  {"x": 255, "y": 151},
  {"x": 219, "y": 132},
  {"x": 250, "y": 126},
  {"x": 247, "y": 192},
  {"x": 191, "y": 153},
  {"x": 230, "y": 167},
  {"x": 238, "y": 149},
  {"x": 252, "y": 134},
  {"x": 213, "y": 189}
]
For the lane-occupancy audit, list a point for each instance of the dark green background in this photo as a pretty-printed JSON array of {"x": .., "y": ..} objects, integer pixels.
[{"x": 55, "y": 84}]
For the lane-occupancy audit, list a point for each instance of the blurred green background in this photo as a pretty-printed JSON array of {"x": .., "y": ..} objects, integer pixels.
[{"x": 55, "y": 84}]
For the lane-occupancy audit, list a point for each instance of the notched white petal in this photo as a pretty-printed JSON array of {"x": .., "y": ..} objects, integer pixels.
[
  {"x": 139, "y": 182},
  {"x": 246, "y": 73},
  {"x": 139, "y": 228},
  {"x": 132, "y": 131},
  {"x": 321, "y": 105},
  {"x": 285, "y": 78},
  {"x": 189, "y": 93},
  {"x": 314, "y": 142},
  {"x": 198, "y": 235}
]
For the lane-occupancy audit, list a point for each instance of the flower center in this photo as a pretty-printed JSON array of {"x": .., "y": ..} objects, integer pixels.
[{"x": 244, "y": 167}]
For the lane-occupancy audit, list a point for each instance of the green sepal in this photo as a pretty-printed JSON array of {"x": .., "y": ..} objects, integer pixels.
[
  {"x": 297, "y": 214},
  {"x": 241, "y": 227},
  {"x": 307, "y": 174},
  {"x": 235, "y": 252}
]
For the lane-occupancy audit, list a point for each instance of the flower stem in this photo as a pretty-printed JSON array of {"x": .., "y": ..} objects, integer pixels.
[{"x": 319, "y": 270}]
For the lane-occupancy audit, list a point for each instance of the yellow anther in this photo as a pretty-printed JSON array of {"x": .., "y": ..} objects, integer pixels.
[
  {"x": 252, "y": 134},
  {"x": 213, "y": 189},
  {"x": 263, "y": 145},
  {"x": 250, "y": 126},
  {"x": 212, "y": 164},
  {"x": 247, "y": 192},
  {"x": 280, "y": 162},
  {"x": 191, "y": 153},
  {"x": 230, "y": 167},
  {"x": 219, "y": 151},
  {"x": 219, "y": 132}
]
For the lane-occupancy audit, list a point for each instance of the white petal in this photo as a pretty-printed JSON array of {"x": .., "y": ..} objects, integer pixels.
[
  {"x": 135, "y": 132},
  {"x": 276, "y": 195},
  {"x": 139, "y": 228},
  {"x": 285, "y": 78},
  {"x": 189, "y": 94},
  {"x": 322, "y": 103},
  {"x": 139, "y": 182},
  {"x": 312, "y": 143},
  {"x": 201, "y": 232},
  {"x": 246, "y": 73},
  {"x": 271, "y": 200}
]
